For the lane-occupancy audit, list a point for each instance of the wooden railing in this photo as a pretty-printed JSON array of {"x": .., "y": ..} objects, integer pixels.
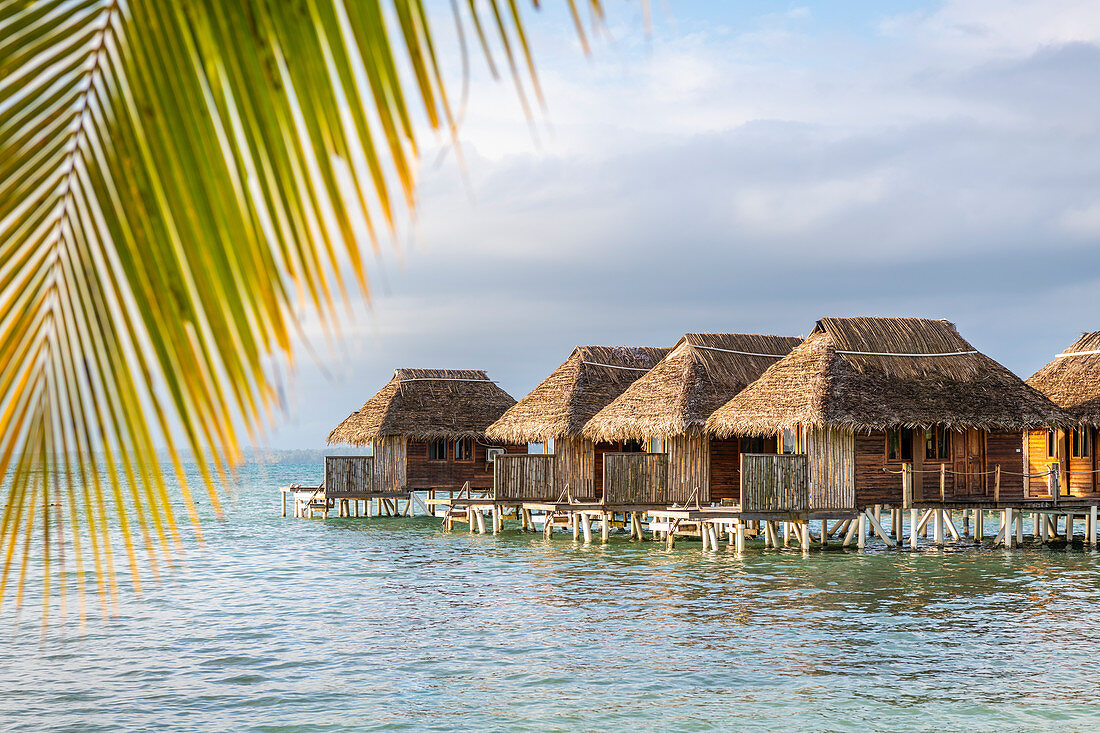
[
  {"x": 526, "y": 476},
  {"x": 635, "y": 478},
  {"x": 774, "y": 483},
  {"x": 348, "y": 475}
]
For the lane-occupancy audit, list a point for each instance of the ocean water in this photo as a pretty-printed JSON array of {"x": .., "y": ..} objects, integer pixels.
[{"x": 393, "y": 624}]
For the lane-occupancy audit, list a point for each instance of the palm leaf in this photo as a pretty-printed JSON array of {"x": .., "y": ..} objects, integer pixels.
[{"x": 176, "y": 181}]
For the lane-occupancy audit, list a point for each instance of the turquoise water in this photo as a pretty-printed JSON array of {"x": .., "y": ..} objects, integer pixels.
[{"x": 296, "y": 625}]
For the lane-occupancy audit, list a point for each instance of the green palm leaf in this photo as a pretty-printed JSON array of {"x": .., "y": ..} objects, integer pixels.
[{"x": 176, "y": 181}]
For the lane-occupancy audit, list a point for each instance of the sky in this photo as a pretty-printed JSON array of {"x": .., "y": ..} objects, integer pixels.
[{"x": 744, "y": 167}]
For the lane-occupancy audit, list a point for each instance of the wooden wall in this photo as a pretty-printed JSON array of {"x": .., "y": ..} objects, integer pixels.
[
  {"x": 688, "y": 467},
  {"x": 725, "y": 469},
  {"x": 576, "y": 468},
  {"x": 390, "y": 463},
  {"x": 423, "y": 474},
  {"x": 348, "y": 476},
  {"x": 1081, "y": 477},
  {"x": 831, "y": 453},
  {"x": 877, "y": 480}
]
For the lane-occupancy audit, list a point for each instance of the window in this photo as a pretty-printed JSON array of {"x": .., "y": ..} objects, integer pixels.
[
  {"x": 1052, "y": 444},
  {"x": 1081, "y": 447},
  {"x": 632, "y": 446},
  {"x": 937, "y": 444},
  {"x": 899, "y": 444},
  {"x": 437, "y": 450},
  {"x": 753, "y": 445},
  {"x": 789, "y": 440},
  {"x": 657, "y": 445},
  {"x": 464, "y": 449}
]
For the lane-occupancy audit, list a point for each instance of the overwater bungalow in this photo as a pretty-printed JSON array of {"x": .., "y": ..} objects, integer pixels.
[
  {"x": 871, "y": 402},
  {"x": 555, "y": 413},
  {"x": 1072, "y": 381},
  {"x": 427, "y": 429},
  {"x": 667, "y": 409}
]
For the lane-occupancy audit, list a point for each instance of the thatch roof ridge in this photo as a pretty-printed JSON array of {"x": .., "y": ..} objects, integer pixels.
[
  {"x": 873, "y": 373},
  {"x": 561, "y": 404},
  {"x": 1073, "y": 382},
  {"x": 426, "y": 404},
  {"x": 700, "y": 373}
]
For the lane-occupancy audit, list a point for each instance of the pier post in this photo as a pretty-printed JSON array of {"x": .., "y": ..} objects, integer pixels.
[
  {"x": 913, "y": 532},
  {"x": 1069, "y": 528},
  {"x": 574, "y": 524},
  {"x": 740, "y": 531},
  {"x": 586, "y": 525},
  {"x": 979, "y": 526},
  {"x": 861, "y": 542},
  {"x": 605, "y": 527},
  {"x": 1010, "y": 528},
  {"x": 824, "y": 532},
  {"x": 937, "y": 527},
  {"x": 1092, "y": 526},
  {"x": 284, "y": 502}
]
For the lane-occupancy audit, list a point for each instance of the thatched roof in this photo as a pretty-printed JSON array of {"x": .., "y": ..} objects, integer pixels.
[
  {"x": 562, "y": 403},
  {"x": 1072, "y": 379},
  {"x": 426, "y": 404},
  {"x": 875, "y": 373},
  {"x": 701, "y": 373}
]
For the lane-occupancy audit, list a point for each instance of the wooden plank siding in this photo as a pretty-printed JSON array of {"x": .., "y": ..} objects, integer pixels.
[
  {"x": 878, "y": 480},
  {"x": 575, "y": 468},
  {"x": 391, "y": 463},
  {"x": 348, "y": 476},
  {"x": 423, "y": 474},
  {"x": 831, "y": 453},
  {"x": 526, "y": 476},
  {"x": 775, "y": 483},
  {"x": 725, "y": 470},
  {"x": 688, "y": 467},
  {"x": 635, "y": 478}
]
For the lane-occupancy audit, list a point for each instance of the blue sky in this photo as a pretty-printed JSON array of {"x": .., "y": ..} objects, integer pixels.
[{"x": 750, "y": 166}]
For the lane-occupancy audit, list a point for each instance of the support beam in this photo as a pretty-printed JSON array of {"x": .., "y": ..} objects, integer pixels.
[
  {"x": 914, "y": 531},
  {"x": 862, "y": 540},
  {"x": 876, "y": 525},
  {"x": 853, "y": 527},
  {"x": 586, "y": 527},
  {"x": 1010, "y": 526},
  {"x": 605, "y": 528}
]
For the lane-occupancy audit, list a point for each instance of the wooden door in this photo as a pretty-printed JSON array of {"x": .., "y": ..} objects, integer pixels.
[{"x": 969, "y": 463}]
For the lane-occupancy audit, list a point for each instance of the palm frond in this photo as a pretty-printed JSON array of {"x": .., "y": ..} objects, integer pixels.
[{"x": 176, "y": 181}]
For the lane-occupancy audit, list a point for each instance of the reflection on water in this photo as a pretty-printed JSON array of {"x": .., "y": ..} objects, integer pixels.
[{"x": 288, "y": 624}]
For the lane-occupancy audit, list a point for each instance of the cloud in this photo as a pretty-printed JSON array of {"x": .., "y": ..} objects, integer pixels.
[{"x": 751, "y": 173}]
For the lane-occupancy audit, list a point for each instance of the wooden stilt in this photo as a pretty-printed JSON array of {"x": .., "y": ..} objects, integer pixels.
[
  {"x": 824, "y": 533},
  {"x": 1010, "y": 525},
  {"x": 1092, "y": 526},
  {"x": 937, "y": 526},
  {"x": 979, "y": 526},
  {"x": 862, "y": 541},
  {"x": 586, "y": 525},
  {"x": 914, "y": 532},
  {"x": 575, "y": 525},
  {"x": 1069, "y": 528},
  {"x": 713, "y": 532},
  {"x": 876, "y": 525},
  {"x": 480, "y": 516},
  {"x": 605, "y": 528},
  {"x": 853, "y": 527},
  {"x": 739, "y": 533},
  {"x": 284, "y": 503}
]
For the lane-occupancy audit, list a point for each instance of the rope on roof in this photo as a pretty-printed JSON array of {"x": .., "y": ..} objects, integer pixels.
[
  {"x": 615, "y": 366},
  {"x": 1077, "y": 353},
  {"x": 444, "y": 379},
  {"x": 891, "y": 353},
  {"x": 733, "y": 351}
]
